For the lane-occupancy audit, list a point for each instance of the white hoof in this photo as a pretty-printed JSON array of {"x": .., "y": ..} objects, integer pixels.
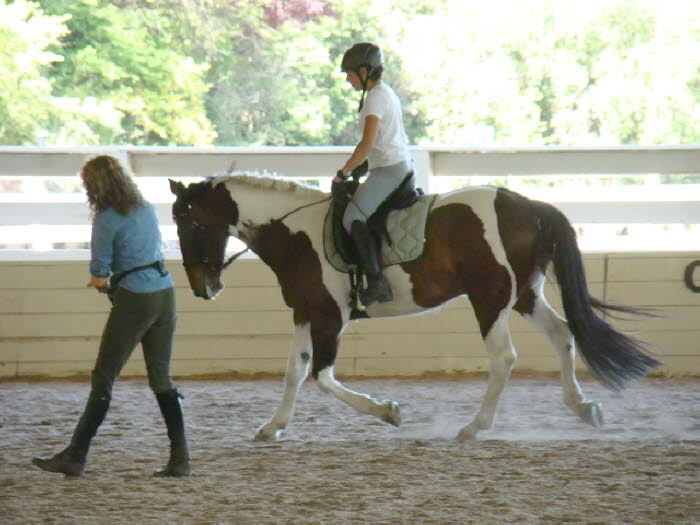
[
  {"x": 391, "y": 414},
  {"x": 468, "y": 433},
  {"x": 267, "y": 433},
  {"x": 592, "y": 413}
]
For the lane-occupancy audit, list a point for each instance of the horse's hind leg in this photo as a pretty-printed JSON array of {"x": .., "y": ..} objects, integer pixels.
[
  {"x": 535, "y": 308},
  {"x": 501, "y": 360},
  {"x": 297, "y": 370}
]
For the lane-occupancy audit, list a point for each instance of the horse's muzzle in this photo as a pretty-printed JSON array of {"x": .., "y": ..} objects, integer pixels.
[{"x": 211, "y": 291}]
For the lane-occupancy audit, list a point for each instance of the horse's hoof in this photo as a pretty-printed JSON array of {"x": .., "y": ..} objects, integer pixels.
[
  {"x": 468, "y": 433},
  {"x": 392, "y": 414},
  {"x": 592, "y": 413},
  {"x": 267, "y": 434}
]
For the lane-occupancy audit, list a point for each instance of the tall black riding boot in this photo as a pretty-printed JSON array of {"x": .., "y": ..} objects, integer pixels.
[
  {"x": 71, "y": 461},
  {"x": 378, "y": 288},
  {"x": 171, "y": 408}
]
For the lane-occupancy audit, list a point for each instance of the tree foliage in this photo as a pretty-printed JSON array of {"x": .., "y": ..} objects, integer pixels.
[
  {"x": 266, "y": 72},
  {"x": 25, "y": 93}
]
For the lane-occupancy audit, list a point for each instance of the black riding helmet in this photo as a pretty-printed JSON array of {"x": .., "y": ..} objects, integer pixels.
[{"x": 362, "y": 54}]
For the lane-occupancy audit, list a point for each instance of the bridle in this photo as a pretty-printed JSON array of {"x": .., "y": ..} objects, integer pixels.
[{"x": 188, "y": 227}]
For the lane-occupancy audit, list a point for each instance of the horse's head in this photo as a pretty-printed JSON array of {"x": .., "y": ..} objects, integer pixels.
[{"x": 203, "y": 213}]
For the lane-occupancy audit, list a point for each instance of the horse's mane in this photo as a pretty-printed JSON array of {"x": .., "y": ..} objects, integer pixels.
[{"x": 266, "y": 181}]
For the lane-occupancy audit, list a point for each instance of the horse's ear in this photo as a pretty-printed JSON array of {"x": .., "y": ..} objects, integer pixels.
[{"x": 176, "y": 187}]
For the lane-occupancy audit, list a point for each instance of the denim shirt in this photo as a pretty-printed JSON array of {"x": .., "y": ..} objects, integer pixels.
[{"x": 121, "y": 242}]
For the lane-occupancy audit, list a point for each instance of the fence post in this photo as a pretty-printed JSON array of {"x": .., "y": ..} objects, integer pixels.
[{"x": 423, "y": 167}]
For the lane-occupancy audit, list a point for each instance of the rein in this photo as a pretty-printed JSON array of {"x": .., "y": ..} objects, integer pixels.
[
  {"x": 237, "y": 255},
  {"x": 233, "y": 258},
  {"x": 301, "y": 208}
]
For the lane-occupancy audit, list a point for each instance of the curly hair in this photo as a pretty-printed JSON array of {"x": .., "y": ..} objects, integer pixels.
[{"x": 108, "y": 185}]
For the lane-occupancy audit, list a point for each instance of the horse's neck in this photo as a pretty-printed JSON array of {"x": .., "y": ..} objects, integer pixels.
[{"x": 261, "y": 205}]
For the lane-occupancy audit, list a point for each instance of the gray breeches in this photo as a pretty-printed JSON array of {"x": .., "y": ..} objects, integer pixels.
[
  {"x": 373, "y": 191},
  {"x": 146, "y": 318}
]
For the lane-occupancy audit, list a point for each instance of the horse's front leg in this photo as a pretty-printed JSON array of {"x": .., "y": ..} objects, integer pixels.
[
  {"x": 325, "y": 343},
  {"x": 297, "y": 370},
  {"x": 386, "y": 410}
]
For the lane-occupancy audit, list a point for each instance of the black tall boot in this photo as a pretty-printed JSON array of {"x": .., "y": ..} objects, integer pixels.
[
  {"x": 171, "y": 408},
  {"x": 71, "y": 461},
  {"x": 378, "y": 288}
]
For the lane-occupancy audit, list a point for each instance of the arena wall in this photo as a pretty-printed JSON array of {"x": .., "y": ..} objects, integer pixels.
[{"x": 50, "y": 323}]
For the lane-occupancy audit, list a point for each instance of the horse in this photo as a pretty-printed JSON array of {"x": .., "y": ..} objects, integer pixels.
[{"x": 491, "y": 244}]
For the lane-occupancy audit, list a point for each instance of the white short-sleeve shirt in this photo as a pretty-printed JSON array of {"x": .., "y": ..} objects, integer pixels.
[{"x": 391, "y": 145}]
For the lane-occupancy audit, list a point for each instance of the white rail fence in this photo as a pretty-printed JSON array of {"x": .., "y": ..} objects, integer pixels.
[{"x": 666, "y": 204}]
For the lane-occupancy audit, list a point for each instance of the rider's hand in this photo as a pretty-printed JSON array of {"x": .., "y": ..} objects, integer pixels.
[
  {"x": 339, "y": 177},
  {"x": 338, "y": 185}
]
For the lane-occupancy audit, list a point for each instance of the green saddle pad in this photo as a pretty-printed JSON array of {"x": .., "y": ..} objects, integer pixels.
[{"x": 406, "y": 229}]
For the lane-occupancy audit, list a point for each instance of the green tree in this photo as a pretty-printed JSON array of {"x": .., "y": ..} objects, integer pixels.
[
  {"x": 265, "y": 72},
  {"x": 553, "y": 72},
  {"x": 248, "y": 82},
  {"x": 274, "y": 66},
  {"x": 137, "y": 91},
  {"x": 324, "y": 110},
  {"x": 25, "y": 93}
]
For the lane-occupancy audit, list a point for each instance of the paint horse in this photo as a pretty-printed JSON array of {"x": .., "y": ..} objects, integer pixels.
[{"x": 490, "y": 244}]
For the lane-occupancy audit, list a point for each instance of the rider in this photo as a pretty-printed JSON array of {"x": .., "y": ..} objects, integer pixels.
[{"x": 383, "y": 144}]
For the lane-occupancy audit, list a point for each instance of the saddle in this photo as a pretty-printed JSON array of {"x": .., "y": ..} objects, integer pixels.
[{"x": 398, "y": 228}]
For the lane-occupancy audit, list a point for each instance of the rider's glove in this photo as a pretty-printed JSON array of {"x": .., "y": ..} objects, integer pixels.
[{"x": 338, "y": 188}]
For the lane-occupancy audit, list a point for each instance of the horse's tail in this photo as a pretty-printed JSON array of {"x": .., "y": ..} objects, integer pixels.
[{"x": 612, "y": 357}]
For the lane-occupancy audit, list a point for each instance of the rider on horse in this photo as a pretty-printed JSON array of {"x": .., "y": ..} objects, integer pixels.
[{"x": 383, "y": 144}]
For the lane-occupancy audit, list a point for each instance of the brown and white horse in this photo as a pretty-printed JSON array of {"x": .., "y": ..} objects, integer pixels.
[{"x": 490, "y": 244}]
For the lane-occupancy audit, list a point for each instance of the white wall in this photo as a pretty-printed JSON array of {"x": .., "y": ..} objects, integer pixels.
[{"x": 50, "y": 324}]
